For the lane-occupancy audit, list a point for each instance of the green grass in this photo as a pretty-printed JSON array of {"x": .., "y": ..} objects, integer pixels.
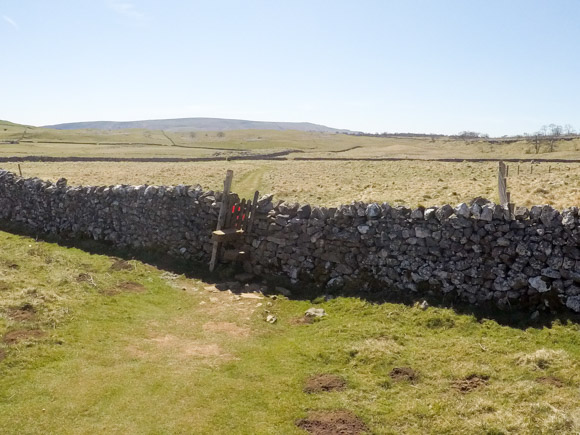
[
  {"x": 156, "y": 143},
  {"x": 177, "y": 356}
]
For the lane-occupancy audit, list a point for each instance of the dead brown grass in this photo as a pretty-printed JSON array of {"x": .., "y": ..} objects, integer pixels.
[{"x": 332, "y": 183}]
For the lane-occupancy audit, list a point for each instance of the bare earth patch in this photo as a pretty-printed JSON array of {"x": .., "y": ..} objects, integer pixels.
[
  {"x": 84, "y": 277},
  {"x": 227, "y": 327},
  {"x": 470, "y": 383},
  {"x": 404, "y": 374},
  {"x": 13, "y": 337},
  {"x": 304, "y": 320},
  {"x": 132, "y": 287},
  {"x": 127, "y": 287},
  {"x": 121, "y": 265},
  {"x": 324, "y": 382},
  {"x": 550, "y": 380},
  {"x": 332, "y": 422},
  {"x": 185, "y": 348},
  {"x": 24, "y": 313}
]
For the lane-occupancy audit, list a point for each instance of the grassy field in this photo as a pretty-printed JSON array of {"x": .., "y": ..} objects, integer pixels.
[
  {"x": 328, "y": 183},
  {"x": 96, "y": 344},
  {"x": 332, "y": 183},
  {"x": 150, "y": 143}
]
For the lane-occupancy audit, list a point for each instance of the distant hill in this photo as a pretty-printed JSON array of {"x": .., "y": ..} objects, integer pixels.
[
  {"x": 11, "y": 124},
  {"x": 198, "y": 124}
]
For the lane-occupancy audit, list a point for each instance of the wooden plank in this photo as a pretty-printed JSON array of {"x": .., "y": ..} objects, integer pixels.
[
  {"x": 247, "y": 215},
  {"x": 224, "y": 235},
  {"x": 221, "y": 218},
  {"x": 226, "y": 231},
  {"x": 226, "y": 194},
  {"x": 234, "y": 255},
  {"x": 238, "y": 214},
  {"x": 244, "y": 213},
  {"x": 253, "y": 212},
  {"x": 229, "y": 212}
]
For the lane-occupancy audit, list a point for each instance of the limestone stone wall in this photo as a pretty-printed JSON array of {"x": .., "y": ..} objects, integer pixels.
[
  {"x": 476, "y": 252},
  {"x": 176, "y": 219}
]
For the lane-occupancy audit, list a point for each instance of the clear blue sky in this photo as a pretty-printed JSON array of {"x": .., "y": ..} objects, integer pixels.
[{"x": 500, "y": 67}]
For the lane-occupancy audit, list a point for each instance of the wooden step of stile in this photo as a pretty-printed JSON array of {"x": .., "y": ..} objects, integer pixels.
[
  {"x": 224, "y": 235},
  {"x": 234, "y": 255}
]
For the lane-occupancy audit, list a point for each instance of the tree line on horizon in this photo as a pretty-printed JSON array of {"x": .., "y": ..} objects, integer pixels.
[{"x": 547, "y": 136}]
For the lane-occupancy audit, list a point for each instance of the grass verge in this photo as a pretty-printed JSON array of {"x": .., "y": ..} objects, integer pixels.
[{"x": 123, "y": 347}]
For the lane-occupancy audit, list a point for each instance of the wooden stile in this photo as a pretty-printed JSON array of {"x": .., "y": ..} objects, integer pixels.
[
  {"x": 235, "y": 219},
  {"x": 221, "y": 217}
]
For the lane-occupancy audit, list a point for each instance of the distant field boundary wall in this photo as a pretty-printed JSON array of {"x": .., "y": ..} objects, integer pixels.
[
  {"x": 279, "y": 156},
  {"x": 270, "y": 156},
  {"x": 477, "y": 253}
]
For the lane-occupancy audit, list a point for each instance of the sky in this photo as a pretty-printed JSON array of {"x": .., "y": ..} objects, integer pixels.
[{"x": 423, "y": 66}]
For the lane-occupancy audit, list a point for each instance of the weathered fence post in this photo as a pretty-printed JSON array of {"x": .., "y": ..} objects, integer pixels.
[{"x": 504, "y": 195}]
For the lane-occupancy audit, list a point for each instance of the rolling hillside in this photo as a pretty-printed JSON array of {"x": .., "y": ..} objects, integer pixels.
[{"x": 197, "y": 124}]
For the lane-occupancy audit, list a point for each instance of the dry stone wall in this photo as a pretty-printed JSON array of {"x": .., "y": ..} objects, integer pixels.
[
  {"x": 475, "y": 252},
  {"x": 176, "y": 219}
]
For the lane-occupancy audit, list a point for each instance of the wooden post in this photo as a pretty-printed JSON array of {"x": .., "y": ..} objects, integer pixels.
[
  {"x": 518, "y": 169},
  {"x": 19, "y": 169},
  {"x": 504, "y": 195},
  {"x": 253, "y": 212},
  {"x": 549, "y": 169},
  {"x": 221, "y": 217},
  {"x": 501, "y": 184}
]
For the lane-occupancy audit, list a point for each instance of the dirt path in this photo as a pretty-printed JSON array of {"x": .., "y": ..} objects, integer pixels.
[{"x": 249, "y": 182}]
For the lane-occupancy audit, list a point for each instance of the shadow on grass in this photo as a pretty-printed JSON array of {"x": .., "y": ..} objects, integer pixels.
[{"x": 516, "y": 316}]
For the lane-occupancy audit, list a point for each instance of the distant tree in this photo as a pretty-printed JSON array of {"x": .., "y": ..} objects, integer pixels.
[
  {"x": 469, "y": 134},
  {"x": 192, "y": 134},
  {"x": 220, "y": 134},
  {"x": 568, "y": 129},
  {"x": 555, "y": 130},
  {"x": 535, "y": 140}
]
